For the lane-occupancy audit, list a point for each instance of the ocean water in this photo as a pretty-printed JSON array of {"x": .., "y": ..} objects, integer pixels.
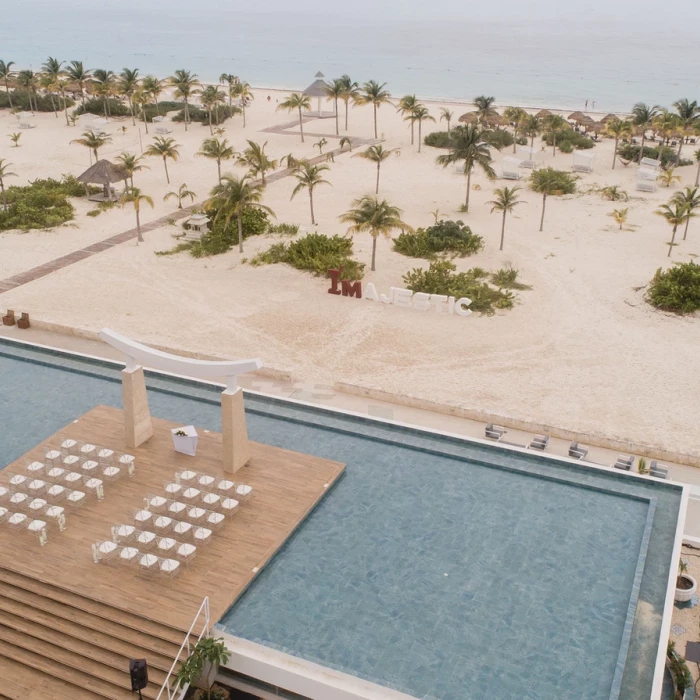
[{"x": 531, "y": 59}]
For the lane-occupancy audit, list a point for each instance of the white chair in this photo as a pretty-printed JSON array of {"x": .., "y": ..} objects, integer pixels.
[
  {"x": 163, "y": 523},
  {"x": 70, "y": 446},
  {"x": 104, "y": 551},
  {"x": 34, "y": 469},
  {"x": 157, "y": 504},
  {"x": 4, "y": 494},
  {"x": 146, "y": 539},
  {"x": 215, "y": 520},
  {"x": 186, "y": 552},
  {"x": 71, "y": 462},
  {"x": 128, "y": 462},
  {"x": 190, "y": 494},
  {"x": 17, "y": 520},
  {"x": 38, "y": 528},
  {"x": 169, "y": 568},
  {"x": 3, "y": 513},
  {"x": 176, "y": 509},
  {"x": 211, "y": 500},
  {"x": 205, "y": 481},
  {"x": 53, "y": 457},
  {"x": 202, "y": 536},
  {"x": 18, "y": 481},
  {"x": 55, "y": 474},
  {"x": 185, "y": 478},
  {"x": 36, "y": 505},
  {"x": 225, "y": 487},
  {"x": 148, "y": 564},
  {"x": 195, "y": 514},
  {"x": 128, "y": 556},
  {"x": 228, "y": 506},
  {"x": 72, "y": 478},
  {"x": 88, "y": 451},
  {"x": 123, "y": 533},
  {"x": 19, "y": 500},
  {"x": 111, "y": 473},
  {"x": 182, "y": 529},
  {"x": 36, "y": 486},
  {"x": 142, "y": 517},
  {"x": 172, "y": 489},
  {"x": 89, "y": 466},
  {"x": 58, "y": 514},
  {"x": 95, "y": 486},
  {"x": 75, "y": 498},
  {"x": 243, "y": 492},
  {"x": 165, "y": 545},
  {"x": 56, "y": 492},
  {"x": 105, "y": 457}
]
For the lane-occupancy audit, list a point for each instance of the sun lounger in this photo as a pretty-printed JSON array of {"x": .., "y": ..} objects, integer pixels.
[
  {"x": 658, "y": 470},
  {"x": 576, "y": 451},
  {"x": 624, "y": 462},
  {"x": 494, "y": 432},
  {"x": 539, "y": 442},
  {"x": 163, "y": 130}
]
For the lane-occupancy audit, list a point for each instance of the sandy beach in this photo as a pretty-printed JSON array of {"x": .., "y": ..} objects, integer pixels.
[{"x": 580, "y": 350}]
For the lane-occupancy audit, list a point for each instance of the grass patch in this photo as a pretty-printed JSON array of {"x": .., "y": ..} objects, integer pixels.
[
  {"x": 507, "y": 278},
  {"x": 676, "y": 289},
  {"x": 179, "y": 248},
  {"x": 445, "y": 238},
  {"x": 284, "y": 229}
]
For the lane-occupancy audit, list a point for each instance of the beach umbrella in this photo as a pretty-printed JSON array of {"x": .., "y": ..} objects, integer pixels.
[
  {"x": 577, "y": 117},
  {"x": 469, "y": 118},
  {"x": 103, "y": 173},
  {"x": 543, "y": 113},
  {"x": 607, "y": 118}
]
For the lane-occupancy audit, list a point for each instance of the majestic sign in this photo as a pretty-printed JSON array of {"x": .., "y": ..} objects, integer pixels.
[{"x": 403, "y": 298}]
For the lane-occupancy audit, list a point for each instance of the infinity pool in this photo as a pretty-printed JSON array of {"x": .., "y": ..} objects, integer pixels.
[{"x": 438, "y": 567}]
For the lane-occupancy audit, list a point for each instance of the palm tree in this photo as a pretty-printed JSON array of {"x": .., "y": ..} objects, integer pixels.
[
  {"x": 93, "y": 142},
  {"x": 53, "y": 71},
  {"x": 230, "y": 79},
  {"x": 349, "y": 92},
  {"x": 79, "y": 75},
  {"x": 131, "y": 164},
  {"x": 667, "y": 177},
  {"x": 231, "y": 197},
  {"x": 643, "y": 117},
  {"x": 484, "y": 109},
  {"x": 697, "y": 174},
  {"x": 61, "y": 86},
  {"x": 321, "y": 144},
  {"x": 154, "y": 88},
  {"x": 667, "y": 125},
  {"x": 257, "y": 161},
  {"x": 28, "y": 80},
  {"x": 334, "y": 91},
  {"x": 103, "y": 85},
  {"x": 554, "y": 124},
  {"x": 242, "y": 91},
  {"x": 134, "y": 196},
  {"x": 406, "y": 106},
  {"x": 48, "y": 84},
  {"x": 15, "y": 138},
  {"x": 185, "y": 83},
  {"x": 688, "y": 118},
  {"x": 468, "y": 144},
  {"x": 531, "y": 126},
  {"x": 550, "y": 182},
  {"x": 347, "y": 141},
  {"x": 373, "y": 93},
  {"x": 620, "y": 216},
  {"x": 618, "y": 128},
  {"x": 515, "y": 116},
  {"x": 217, "y": 150},
  {"x": 675, "y": 216},
  {"x": 446, "y": 115},
  {"x": 182, "y": 193},
  {"x": 614, "y": 193},
  {"x": 298, "y": 101},
  {"x": 308, "y": 178},
  {"x": 165, "y": 148},
  {"x": 4, "y": 172},
  {"x": 421, "y": 114},
  {"x": 377, "y": 154},
  {"x": 140, "y": 99},
  {"x": 506, "y": 200},
  {"x": 6, "y": 74},
  {"x": 690, "y": 199},
  {"x": 211, "y": 98},
  {"x": 374, "y": 216},
  {"x": 127, "y": 86}
]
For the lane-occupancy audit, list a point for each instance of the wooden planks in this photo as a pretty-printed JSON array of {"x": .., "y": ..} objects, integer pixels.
[{"x": 286, "y": 487}]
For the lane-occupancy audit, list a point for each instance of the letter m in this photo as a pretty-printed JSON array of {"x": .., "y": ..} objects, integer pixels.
[{"x": 351, "y": 289}]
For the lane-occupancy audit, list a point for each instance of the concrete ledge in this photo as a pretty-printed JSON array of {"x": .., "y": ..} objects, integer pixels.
[{"x": 482, "y": 416}]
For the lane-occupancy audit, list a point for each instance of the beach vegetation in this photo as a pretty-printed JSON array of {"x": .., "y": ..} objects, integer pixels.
[
  {"x": 667, "y": 156},
  {"x": 136, "y": 198},
  {"x": 530, "y": 126},
  {"x": 257, "y": 161},
  {"x": 309, "y": 177},
  {"x": 78, "y": 74},
  {"x": 688, "y": 113},
  {"x": 569, "y": 138},
  {"x": 643, "y": 117},
  {"x": 618, "y": 129},
  {"x": 7, "y": 74},
  {"x": 515, "y": 117},
  {"x": 444, "y": 238},
  {"x": 128, "y": 84},
  {"x": 93, "y": 142},
  {"x": 20, "y": 99},
  {"x": 28, "y": 80},
  {"x": 506, "y": 199},
  {"x": 211, "y": 100},
  {"x": 438, "y": 139},
  {"x": 690, "y": 199},
  {"x": 667, "y": 177},
  {"x": 620, "y": 216},
  {"x": 442, "y": 277},
  {"x": 553, "y": 125},
  {"x": 377, "y": 154},
  {"x": 614, "y": 193},
  {"x": 350, "y": 91},
  {"x": 163, "y": 147},
  {"x": 682, "y": 677},
  {"x": 180, "y": 194},
  {"x": 499, "y": 139},
  {"x": 334, "y": 91},
  {"x": 5, "y": 173},
  {"x": 376, "y": 217},
  {"x": 405, "y": 107},
  {"x": 186, "y": 86},
  {"x": 241, "y": 91},
  {"x": 676, "y": 215},
  {"x": 284, "y": 229},
  {"x": 345, "y": 141},
  {"x": 373, "y": 93},
  {"x": 15, "y": 137},
  {"x": 551, "y": 183},
  {"x": 676, "y": 289},
  {"x": 507, "y": 278},
  {"x": 421, "y": 114},
  {"x": 201, "y": 116},
  {"x": 300, "y": 103},
  {"x": 485, "y": 111},
  {"x": 445, "y": 115},
  {"x": 103, "y": 85},
  {"x": 131, "y": 163},
  {"x": 218, "y": 150},
  {"x": 96, "y": 105}
]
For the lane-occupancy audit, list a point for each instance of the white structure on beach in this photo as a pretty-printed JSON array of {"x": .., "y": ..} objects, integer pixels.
[
  {"x": 511, "y": 168},
  {"x": 317, "y": 90},
  {"x": 647, "y": 174},
  {"x": 528, "y": 154},
  {"x": 583, "y": 162}
]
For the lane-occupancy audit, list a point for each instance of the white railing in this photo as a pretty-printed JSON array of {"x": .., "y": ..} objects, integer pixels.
[{"x": 174, "y": 692}]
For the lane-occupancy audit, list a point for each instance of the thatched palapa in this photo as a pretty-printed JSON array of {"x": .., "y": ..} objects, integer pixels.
[{"x": 103, "y": 173}]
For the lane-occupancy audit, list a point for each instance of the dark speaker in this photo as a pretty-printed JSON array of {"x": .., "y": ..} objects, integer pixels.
[{"x": 138, "y": 669}]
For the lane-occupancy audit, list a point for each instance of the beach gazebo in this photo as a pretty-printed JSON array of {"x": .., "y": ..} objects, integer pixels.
[
  {"x": 527, "y": 154},
  {"x": 317, "y": 89},
  {"x": 583, "y": 162},
  {"x": 469, "y": 118},
  {"x": 103, "y": 173},
  {"x": 577, "y": 117},
  {"x": 608, "y": 118},
  {"x": 543, "y": 113},
  {"x": 511, "y": 168}
]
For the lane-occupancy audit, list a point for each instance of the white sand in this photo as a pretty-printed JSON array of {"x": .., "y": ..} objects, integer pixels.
[{"x": 581, "y": 350}]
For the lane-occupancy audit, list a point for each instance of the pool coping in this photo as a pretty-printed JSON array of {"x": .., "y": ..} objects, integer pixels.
[{"x": 657, "y": 681}]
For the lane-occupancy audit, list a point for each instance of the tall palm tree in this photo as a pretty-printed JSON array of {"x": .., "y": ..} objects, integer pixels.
[
  {"x": 334, "y": 91},
  {"x": 531, "y": 126},
  {"x": 164, "y": 148},
  {"x": 446, "y": 115},
  {"x": 298, "y": 101},
  {"x": 230, "y": 79},
  {"x": 79, "y": 75},
  {"x": 554, "y": 124},
  {"x": 103, "y": 85},
  {"x": 128, "y": 85},
  {"x": 4, "y": 172},
  {"x": 406, "y": 105},
  {"x": 241, "y": 90},
  {"x": 515, "y": 115},
  {"x": 134, "y": 196},
  {"x": 377, "y": 154},
  {"x": 218, "y": 150},
  {"x": 185, "y": 83},
  {"x": 688, "y": 118},
  {"x": 350, "y": 92},
  {"x": 666, "y": 124},
  {"x": 643, "y": 117},
  {"x": 468, "y": 144},
  {"x": 421, "y": 114},
  {"x": 550, "y": 182},
  {"x": 181, "y": 193},
  {"x": 308, "y": 178},
  {"x": 52, "y": 69},
  {"x": 257, "y": 161},
  {"x": 211, "y": 98},
  {"x": 697, "y": 174},
  {"x": 93, "y": 142},
  {"x": 131, "y": 163},
  {"x": 231, "y": 197},
  {"x": 373, "y": 93},
  {"x": 140, "y": 99},
  {"x": 6, "y": 74},
  {"x": 49, "y": 86},
  {"x": 675, "y": 216},
  {"x": 154, "y": 88},
  {"x": 506, "y": 200},
  {"x": 62, "y": 86},
  {"x": 690, "y": 199},
  {"x": 28, "y": 79},
  {"x": 375, "y": 217},
  {"x": 484, "y": 109},
  {"x": 617, "y": 129}
]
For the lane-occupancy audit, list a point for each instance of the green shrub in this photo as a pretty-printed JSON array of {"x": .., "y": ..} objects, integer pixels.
[
  {"x": 522, "y": 141},
  {"x": 43, "y": 102},
  {"x": 499, "y": 138},
  {"x": 679, "y": 669},
  {"x": 669, "y": 156},
  {"x": 197, "y": 114},
  {"x": 179, "y": 248},
  {"x": 566, "y": 147},
  {"x": 285, "y": 229},
  {"x": 571, "y": 138},
  {"x": 676, "y": 289},
  {"x": 94, "y": 212},
  {"x": 315, "y": 253},
  {"x": 444, "y": 237},
  {"x": 441, "y": 278},
  {"x": 96, "y": 105},
  {"x": 222, "y": 238},
  {"x": 437, "y": 139},
  {"x": 507, "y": 278}
]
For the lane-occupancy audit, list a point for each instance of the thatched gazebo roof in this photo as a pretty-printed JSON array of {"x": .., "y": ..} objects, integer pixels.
[
  {"x": 577, "y": 117},
  {"x": 608, "y": 118},
  {"x": 103, "y": 173},
  {"x": 543, "y": 113},
  {"x": 318, "y": 87},
  {"x": 469, "y": 118},
  {"x": 495, "y": 119}
]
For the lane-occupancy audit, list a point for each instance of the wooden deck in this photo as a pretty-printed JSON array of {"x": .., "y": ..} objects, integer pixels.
[{"x": 286, "y": 487}]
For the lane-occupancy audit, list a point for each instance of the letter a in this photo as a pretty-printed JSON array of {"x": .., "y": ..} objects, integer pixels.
[{"x": 371, "y": 292}]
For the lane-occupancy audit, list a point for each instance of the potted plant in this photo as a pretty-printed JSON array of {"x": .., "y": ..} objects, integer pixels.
[
  {"x": 685, "y": 583},
  {"x": 202, "y": 665},
  {"x": 185, "y": 439}
]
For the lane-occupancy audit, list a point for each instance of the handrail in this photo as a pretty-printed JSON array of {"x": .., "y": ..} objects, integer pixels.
[{"x": 172, "y": 693}]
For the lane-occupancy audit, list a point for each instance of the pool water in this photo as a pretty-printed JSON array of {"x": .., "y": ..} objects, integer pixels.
[{"x": 438, "y": 567}]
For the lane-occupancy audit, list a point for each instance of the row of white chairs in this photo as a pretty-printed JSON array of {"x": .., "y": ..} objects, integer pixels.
[
  {"x": 131, "y": 557},
  {"x": 192, "y": 515},
  {"x": 22, "y": 503},
  {"x": 39, "y": 487},
  {"x": 199, "y": 481},
  {"x": 89, "y": 451},
  {"x": 207, "y": 500},
  {"x": 21, "y": 521}
]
